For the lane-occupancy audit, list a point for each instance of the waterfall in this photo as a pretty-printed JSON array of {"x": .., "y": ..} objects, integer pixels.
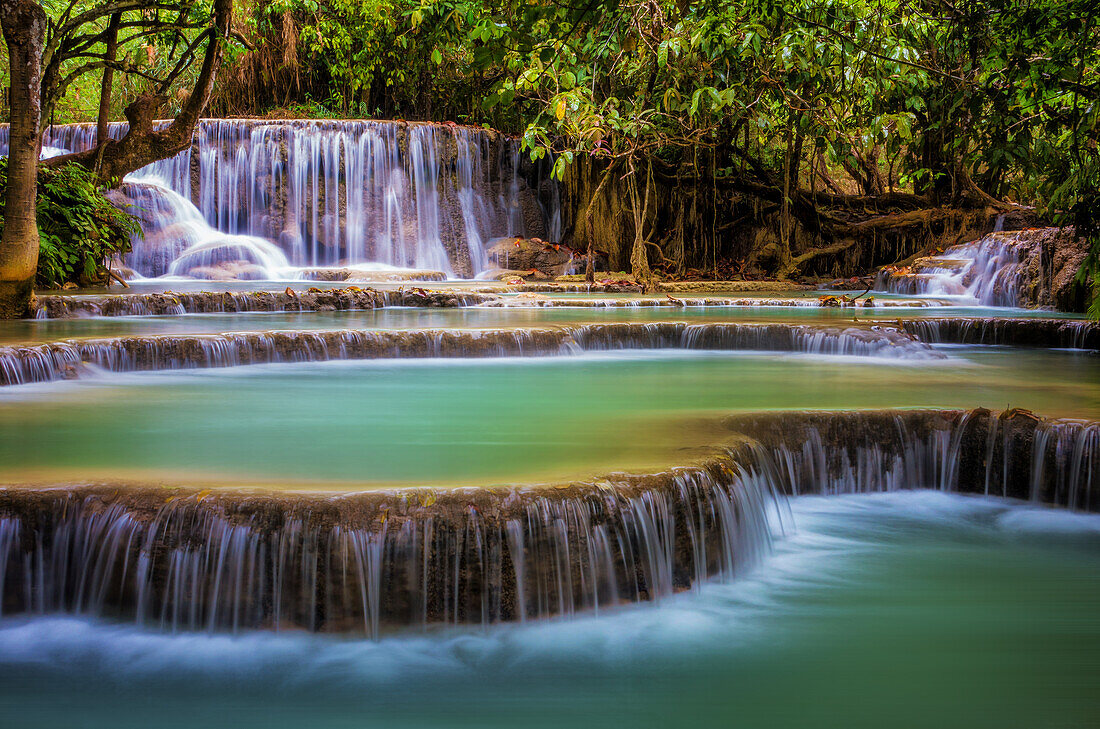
[
  {"x": 1015, "y": 454},
  {"x": 987, "y": 270},
  {"x": 178, "y": 241},
  {"x": 327, "y": 194},
  {"x": 362, "y": 562},
  {"x": 1050, "y": 333}
]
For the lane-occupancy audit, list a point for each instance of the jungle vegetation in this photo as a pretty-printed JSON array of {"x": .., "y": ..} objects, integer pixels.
[{"x": 676, "y": 125}]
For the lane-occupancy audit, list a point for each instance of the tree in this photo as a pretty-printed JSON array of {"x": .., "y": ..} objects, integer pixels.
[
  {"x": 49, "y": 53},
  {"x": 145, "y": 141},
  {"x": 24, "y": 26}
]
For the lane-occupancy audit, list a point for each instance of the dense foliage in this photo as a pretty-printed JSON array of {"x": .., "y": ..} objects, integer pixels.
[
  {"x": 80, "y": 231},
  {"x": 895, "y": 93},
  {"x": 811, "y": 108},
  {"x": 799, "y": 103}
]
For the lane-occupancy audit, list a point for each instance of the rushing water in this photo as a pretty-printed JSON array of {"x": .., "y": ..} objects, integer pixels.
[
  {"x": 31, "y": 331},
  {"x": 987, "y": 271},
  {"x": 253, "y": 198},
  {"x": 913, "y": 609},
  {"x": 197, "y": 526}
]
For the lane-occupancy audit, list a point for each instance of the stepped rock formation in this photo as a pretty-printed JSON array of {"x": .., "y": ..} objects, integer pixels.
[
  {"x": 365, "y": 562},
  {"x": 1029, "y": 268},
  {"x": 69, "y": 359},
  {"x": 351, "y": 298}
]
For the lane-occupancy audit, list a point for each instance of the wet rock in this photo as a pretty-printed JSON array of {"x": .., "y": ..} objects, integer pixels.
[
  {"x": 532, "y": 255},
  {"x": 1033, "y": 268},
  {"x": 359, "y": 275},
  {"x": 1047, "y": 333},
  {"x": 1050, "y": 264},
  {"x": 1015, "y": 454},
  {"x": 45, "y": 362},
  {"x": 205, "y": 302}
]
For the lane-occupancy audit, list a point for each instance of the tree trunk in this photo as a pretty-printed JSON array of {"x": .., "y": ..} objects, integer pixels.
[
  {"x": 106, "y": 87},
  {"x": 589, "y": 228},
  {"x": 24, "y": 26},
  {"x": 639, "y": 259},
  {"x": 784, "y": 253}
]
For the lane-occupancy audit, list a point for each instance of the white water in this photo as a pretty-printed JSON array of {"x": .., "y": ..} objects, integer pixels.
[
  {"x": 863, "y": 583},
  {"x": 986, "y": 271},
  {"x": 188, "y": 245},
  {"x": 63, "y": 359},
  {"x": 281, "y": 194}
]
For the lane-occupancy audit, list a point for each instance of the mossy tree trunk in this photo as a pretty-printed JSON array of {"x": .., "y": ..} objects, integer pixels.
[
  {"x": 24, "y": 26},
  {"x": 639, "y": 258}
]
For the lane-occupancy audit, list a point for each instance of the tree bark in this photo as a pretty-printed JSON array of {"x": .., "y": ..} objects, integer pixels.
[
  {"x": 590, "y": 263},
  {"x": 24, "y": 26},
  {"x": 107, "y": 86},
  {"x": 639, "y": 258}
]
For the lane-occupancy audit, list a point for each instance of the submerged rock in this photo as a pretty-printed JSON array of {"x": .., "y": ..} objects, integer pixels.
[
  {"x": 228, "y": 271},
  {"x": 352, "y": 274}
]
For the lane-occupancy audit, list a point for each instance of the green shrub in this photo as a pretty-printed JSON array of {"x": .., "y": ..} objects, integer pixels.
[{"x": 79, "y": 229}]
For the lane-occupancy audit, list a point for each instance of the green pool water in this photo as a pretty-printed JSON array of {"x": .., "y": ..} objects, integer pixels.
[
  {"x": 898, "y": 610},
  {"x": 455, "y": 422}
]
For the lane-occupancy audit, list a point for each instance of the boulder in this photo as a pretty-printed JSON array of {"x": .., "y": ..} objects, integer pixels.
[
  {"x": 531, "y": 256},
  {"x": 1049, "y": 265}
]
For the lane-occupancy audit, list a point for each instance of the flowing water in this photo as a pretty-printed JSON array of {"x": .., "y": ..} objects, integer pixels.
[
  {"x": 473, "y": 317},
  {"x": 394, "y": 507},
  {"x": 909, "y": 609},
  {"x": 987, "y": 271},
  {"x": 255, "y": 199}
]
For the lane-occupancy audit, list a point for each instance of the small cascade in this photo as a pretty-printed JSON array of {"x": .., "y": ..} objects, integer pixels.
[
  {"x": 351, "y": 298},
  {"x": 1015, "y": 454},
  {"x": 367, "y": 561},
  {"x": 68, "y": 359},
  {"x": 178, "y": 241},
  {"x": 687, "y": 302},
  {"x": 1048, "y": 333},
  {"x": 328, "y": 194},
  {"x": 988, "y": 271}
]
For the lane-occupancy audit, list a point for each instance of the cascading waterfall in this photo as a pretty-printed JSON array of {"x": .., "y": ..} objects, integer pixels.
[
  {"x": 1052, "y": 333},
  {"x": 987, "y": 270},
  {"x": 362, "y": 562},
  {"x": 1015, "y": 454},
  {"x": 328, "y": 194},
  {"x": 178, "y": 241},
  {"x": 68, "y": 359}
]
